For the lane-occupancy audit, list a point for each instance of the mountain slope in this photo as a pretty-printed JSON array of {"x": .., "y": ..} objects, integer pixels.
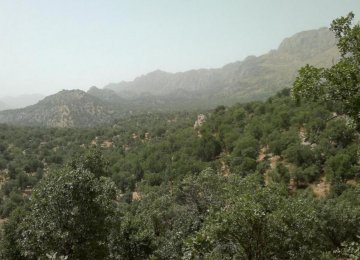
[
  {"x": 107, "y": 95},
  {"x": 253, "y": 78},
  {"x": 68, "y": 108}
]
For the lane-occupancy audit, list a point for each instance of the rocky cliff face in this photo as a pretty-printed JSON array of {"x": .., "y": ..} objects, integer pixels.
[
  {"x": 305, "y": 45},
  {"x": 253, "y": 78},
  {"x": 68, "y": 108}
]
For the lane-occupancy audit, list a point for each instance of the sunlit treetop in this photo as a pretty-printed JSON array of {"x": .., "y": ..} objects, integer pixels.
[{"x": 339, "y": 84}]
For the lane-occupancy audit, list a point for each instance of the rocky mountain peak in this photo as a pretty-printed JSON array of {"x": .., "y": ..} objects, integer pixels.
[{"x": 308, "y": 43}]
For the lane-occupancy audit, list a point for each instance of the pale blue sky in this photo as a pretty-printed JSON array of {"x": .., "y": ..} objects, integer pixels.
[{"x": 48, "y": 45}]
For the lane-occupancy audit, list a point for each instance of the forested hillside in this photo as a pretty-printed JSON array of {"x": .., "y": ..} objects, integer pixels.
[
  {"x": 273, "y": 179},
  {"x": 275, "y": 167},
  {"x": 68, "y": 108}
]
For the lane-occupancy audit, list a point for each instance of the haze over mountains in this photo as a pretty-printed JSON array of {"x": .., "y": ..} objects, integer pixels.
[
  {"x": 19, "y": 101},
  {"x": 254, "y": 78},
  {"x": 3, "y": 106}
]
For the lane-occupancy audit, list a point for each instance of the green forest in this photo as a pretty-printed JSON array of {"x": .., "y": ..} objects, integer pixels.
[{"x": 273, "y": 179}]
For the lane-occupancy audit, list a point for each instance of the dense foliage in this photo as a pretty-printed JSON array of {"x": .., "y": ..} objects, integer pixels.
[
  {"x": 240, "y": 185},
  {"x": 264, "y": 180},
  {"x": 339, "y": 84}
]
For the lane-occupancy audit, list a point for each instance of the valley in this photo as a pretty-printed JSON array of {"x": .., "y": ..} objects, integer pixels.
[{"x": 258, "y": 159}]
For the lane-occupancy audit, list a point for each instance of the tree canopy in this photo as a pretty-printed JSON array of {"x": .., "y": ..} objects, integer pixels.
[
  {"x": 339, "y": 84},
  {"x": 68, "y": 215}
]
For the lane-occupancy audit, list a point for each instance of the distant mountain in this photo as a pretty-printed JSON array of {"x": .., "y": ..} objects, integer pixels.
[
  {"x": 107, "y": 95},
  {"x": 3, "y": 106},
  {"x": 254, "y": 78},
  {"x": 21, "y": 101},
  {"x": 251, "y": 79},
  {"x": 68, "y": 108}
]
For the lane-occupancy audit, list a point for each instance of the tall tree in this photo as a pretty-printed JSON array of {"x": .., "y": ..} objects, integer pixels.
[
  {"x": 69, "y": 215},
  {"x": 339, "y": 84}
]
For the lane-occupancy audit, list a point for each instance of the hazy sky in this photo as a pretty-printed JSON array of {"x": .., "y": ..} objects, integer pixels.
[{"x": 46, "y": 46}]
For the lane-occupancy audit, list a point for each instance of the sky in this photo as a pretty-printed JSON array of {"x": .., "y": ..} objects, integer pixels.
[{"x": 47, "y": 46}]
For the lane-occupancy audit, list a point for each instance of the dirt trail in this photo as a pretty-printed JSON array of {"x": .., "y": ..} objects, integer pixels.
[
  {"x": 224, "y": 169},
  {"x": 273, "y": 161},
  {"x": 136, "y": 196},
  {"x": 322, "y": 188},
  {"x": 262, "y": 154}
]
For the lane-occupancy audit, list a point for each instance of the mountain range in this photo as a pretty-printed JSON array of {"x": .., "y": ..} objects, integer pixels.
[
  {"x": 19, "y": 101},
  {"x": 254, "y": 78},
  {"x": 250, "y": 79}
]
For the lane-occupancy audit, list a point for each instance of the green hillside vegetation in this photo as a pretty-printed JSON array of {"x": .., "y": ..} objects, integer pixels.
[
  {"x": 273, "y": 179},
  {"x": 275, "y": 167},
  {"x": 68, "y": 108}
]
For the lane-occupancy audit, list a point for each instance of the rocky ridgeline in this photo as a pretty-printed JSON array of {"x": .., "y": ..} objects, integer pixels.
[
  {"x": 255, "y": 78},
  {"x": 68, "y": 108},
  {"x": 250, "y": 79}
]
